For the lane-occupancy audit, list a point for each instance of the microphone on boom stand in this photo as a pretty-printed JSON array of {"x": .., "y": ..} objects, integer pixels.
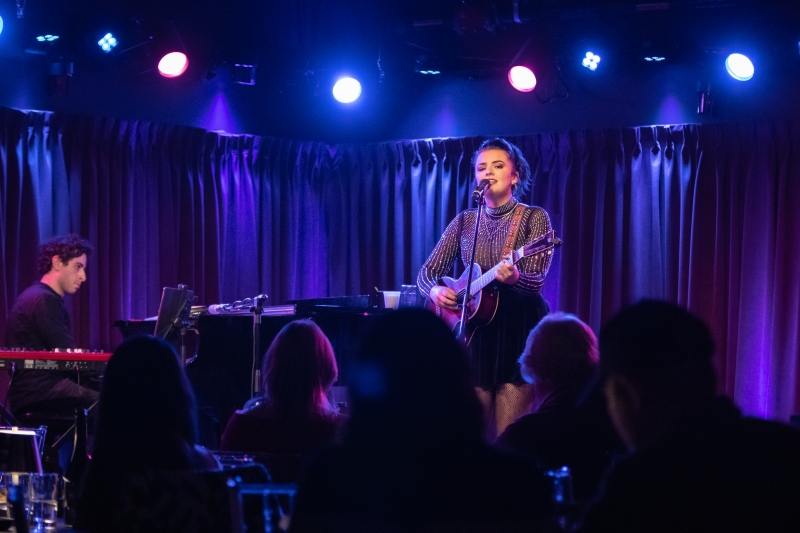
[{"x": 481, "y": 189}]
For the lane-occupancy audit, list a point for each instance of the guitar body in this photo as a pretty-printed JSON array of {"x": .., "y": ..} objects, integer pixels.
[
  {"x": 485, "y": 294},
  {"x": 481, "y": 309}
]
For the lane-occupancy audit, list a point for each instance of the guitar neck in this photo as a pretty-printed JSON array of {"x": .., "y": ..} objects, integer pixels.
[
  {"x": 489, "y": 276},
  {"x": 526, "y": 250}
]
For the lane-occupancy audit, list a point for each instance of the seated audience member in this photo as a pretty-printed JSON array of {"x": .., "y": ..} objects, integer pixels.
[
  {"x": 146, "y": 420},
  {"x": 697, "y": 464},
  {"x": 413, "y": 458},
  {"x": 569, "y": 425},
  {"x": 296, "y": 414}
]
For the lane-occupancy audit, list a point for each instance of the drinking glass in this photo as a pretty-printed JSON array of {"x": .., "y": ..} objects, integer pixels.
[
  {"x": 44, "y": 502},
  {"x": 408, "y": 296},
  {"x": 23, "y": 483}
]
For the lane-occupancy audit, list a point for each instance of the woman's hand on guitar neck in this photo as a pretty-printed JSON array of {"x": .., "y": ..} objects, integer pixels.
[
  {"x": 443, "y": 297},
  {"x": 507, "y": 273}
]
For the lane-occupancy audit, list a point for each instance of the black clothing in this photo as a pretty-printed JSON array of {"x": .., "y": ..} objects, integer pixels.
[
  {"x": 718, "y": 472},
  {"x": 39, "y": 321},
  {"x": 495, "y": 347},
  {"x": 463, "y": 488},
  {"x": 568, "y": 430}
]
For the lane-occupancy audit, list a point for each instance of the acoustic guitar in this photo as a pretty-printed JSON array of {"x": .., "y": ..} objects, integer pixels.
[{"x": 484, "y": 301}]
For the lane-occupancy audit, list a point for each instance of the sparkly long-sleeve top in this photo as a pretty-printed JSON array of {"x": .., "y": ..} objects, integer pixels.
[{"x": 492, "y": 235}]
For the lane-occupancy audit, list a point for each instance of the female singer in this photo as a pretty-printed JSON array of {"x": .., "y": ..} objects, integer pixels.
[{"x": 495, "y": 347}]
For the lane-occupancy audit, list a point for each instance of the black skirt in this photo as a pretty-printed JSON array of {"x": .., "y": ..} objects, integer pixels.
[{"x": 495, "y": 347}]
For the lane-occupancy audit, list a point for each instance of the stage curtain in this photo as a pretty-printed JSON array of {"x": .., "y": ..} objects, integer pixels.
[{"x": 704, "y": 216}]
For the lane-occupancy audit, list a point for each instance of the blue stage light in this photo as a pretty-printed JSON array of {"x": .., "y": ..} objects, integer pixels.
[
  {"x": 739, "y": 67},
  {"x": 347, "y": 90},
  {"x": 47, "y": 38},
  {"x": 1, "y": 24},
  {"x": 590, "y": 61},
  {"x": 107, "y": 42}
]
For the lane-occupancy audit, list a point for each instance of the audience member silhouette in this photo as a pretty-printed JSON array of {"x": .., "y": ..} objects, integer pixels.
[
  {"x": 569, "y": 425},
  {"x": 146, "y": 420},
  {"x": 414, "y": 458},
  {"x": 296, "y": 414},
  {"x": 697, "y": 464}
]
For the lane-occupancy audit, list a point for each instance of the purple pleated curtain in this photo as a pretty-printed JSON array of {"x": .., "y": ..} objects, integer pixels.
[{"x": 705, "y": 216}]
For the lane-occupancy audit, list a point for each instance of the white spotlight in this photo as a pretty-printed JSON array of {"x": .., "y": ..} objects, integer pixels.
[
  {"x": 173, "y": 65},
  {"x": 739, "y": 67},
  {"x": 522, "y": 78},
  {"x": 1, "y": 24},
  {"x": 347, "y": 90}
]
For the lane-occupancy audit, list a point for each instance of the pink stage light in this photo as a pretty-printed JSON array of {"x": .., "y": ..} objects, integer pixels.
[
  {"x": 522, "y": 79},
  {"x": 173, "y": 65}
]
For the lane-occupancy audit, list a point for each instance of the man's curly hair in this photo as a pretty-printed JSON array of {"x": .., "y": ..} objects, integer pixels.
[{"x": 66, "y": 248}]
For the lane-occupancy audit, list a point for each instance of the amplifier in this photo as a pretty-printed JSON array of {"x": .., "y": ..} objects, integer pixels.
[{"x": 57, "y": 360}]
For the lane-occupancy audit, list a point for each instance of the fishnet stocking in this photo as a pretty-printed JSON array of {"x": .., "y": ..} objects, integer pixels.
[{"x": 504, "y": 403}]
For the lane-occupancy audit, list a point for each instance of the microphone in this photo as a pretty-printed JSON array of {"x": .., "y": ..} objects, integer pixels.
[
  {"x": 480, "y": 190},
  {"x": 219, "y": 309}
]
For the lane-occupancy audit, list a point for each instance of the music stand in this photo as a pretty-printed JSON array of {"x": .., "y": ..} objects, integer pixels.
[{"x": 173, "y": 312}]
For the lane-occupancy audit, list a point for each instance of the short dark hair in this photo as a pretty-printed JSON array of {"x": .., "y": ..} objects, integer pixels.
[
  {"x": 661, "y": 346},
  {"x": 410, "y": 381},
  {"x": 66, "y": 248},
  {"x": 514, "y": 155}
]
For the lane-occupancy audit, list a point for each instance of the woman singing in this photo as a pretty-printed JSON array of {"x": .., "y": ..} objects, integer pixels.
[{"x": 496, "y": 346}]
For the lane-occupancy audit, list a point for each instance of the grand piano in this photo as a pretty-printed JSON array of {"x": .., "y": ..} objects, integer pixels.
[{"x": 223, "y": 370}]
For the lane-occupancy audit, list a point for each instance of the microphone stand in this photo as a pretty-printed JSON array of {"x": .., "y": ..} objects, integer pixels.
[
  {"x": 257, "y": 309},
  {"x": 462, "y": 331}
]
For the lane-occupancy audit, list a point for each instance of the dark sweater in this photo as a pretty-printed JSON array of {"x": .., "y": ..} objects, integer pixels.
[
  {"x": 38, "y": 321},
  {"x": 719, "y": 471}
]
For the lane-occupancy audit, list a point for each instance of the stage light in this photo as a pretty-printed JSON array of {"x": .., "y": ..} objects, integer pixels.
[
  {"x": 173, "y": 65},
  {"x": 705, "y": 100},
  {"x": 522, "y": 79},
  {"x": 107, "y": 42},
  {"x": 655, "y": 59},
  {"x": 347, "y": 90},
  {"x": 1, "y": 24},
  {"x": 243, "y": 74},
  {"x": 47, "y": 38},
  {"x": 739, "y": 67},
  {"x": 590, "y": 61}
]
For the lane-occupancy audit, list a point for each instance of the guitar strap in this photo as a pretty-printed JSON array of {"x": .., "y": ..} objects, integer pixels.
[
  {"x": 512, "y": 236},
  {"x": 512, "y": 232}
]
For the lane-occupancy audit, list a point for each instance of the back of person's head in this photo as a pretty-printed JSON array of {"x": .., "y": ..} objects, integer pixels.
[
  {"x": 298, "y": 372},
  {"x": 66, "y": 247},
  {"x": 662, "y": 348},
  {"x": 410, "y": 381},
  {"x": 147, "y": 414},
  {"x": 561, "y": 351}
]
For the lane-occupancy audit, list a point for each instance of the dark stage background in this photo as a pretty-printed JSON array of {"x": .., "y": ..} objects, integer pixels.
[{"x": 705, "y": 216}]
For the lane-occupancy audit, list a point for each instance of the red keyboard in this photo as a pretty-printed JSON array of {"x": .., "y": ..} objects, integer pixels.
[{"x": 58, "y": 360}]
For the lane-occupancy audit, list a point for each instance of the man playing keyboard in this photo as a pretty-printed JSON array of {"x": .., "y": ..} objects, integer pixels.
[{"x": 39, "y": 321}]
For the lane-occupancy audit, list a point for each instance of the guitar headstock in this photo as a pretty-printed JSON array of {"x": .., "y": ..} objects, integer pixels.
[{"x": 548, "y": 241}]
